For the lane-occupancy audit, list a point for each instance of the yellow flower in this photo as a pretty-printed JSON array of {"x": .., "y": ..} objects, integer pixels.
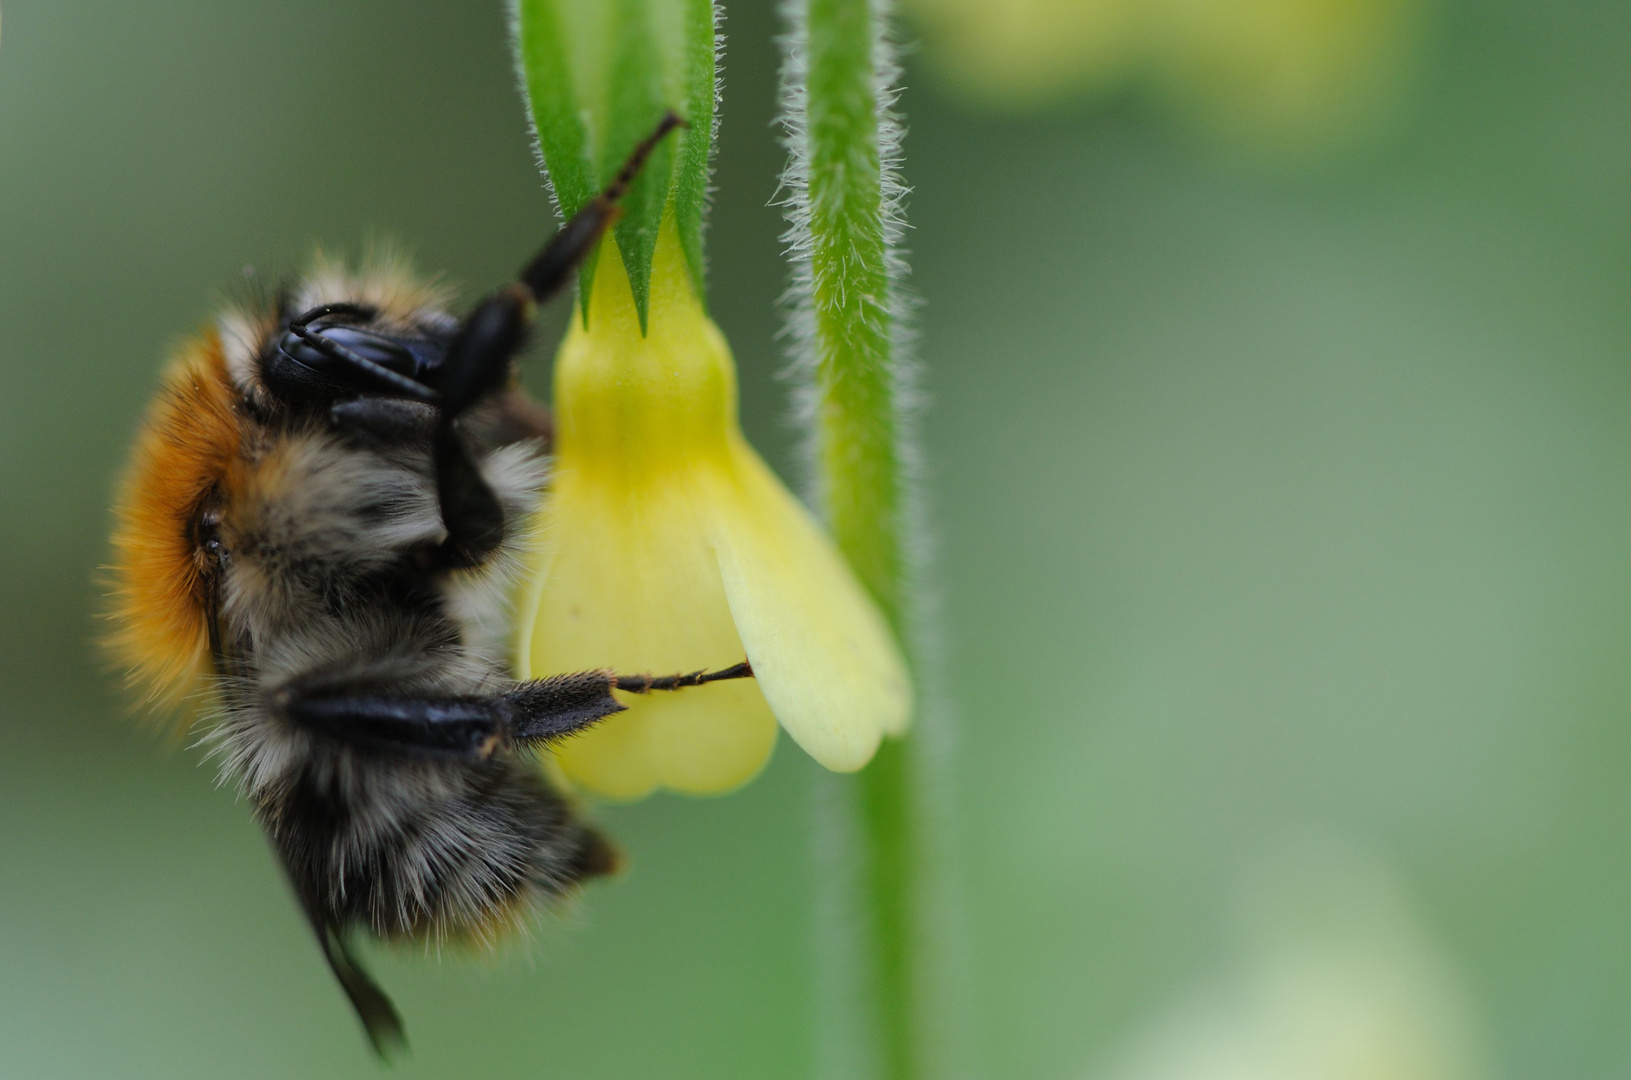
[
  {"x": 1271, "y": 75},
  {"x": 1025, "y": 53},
  {"x": 1287, "y": 73},
  {"x": 668, "y": 545}
]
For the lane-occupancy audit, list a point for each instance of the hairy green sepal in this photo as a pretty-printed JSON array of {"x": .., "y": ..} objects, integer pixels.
[{"x": 598, "y": 78}]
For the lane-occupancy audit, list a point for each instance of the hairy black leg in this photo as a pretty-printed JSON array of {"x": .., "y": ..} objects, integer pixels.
[
  {"x": 552, "y": 268},
  {"x": 383, "y": 422},
  {"x": 479, "y": 357},
  {"x": 561, "y": 705},
  {"x": 379, "y": 1017},
  {"x": 640, "y": 684},
  {"x": 478, "y": 364},
  {"x": 392, "y": 723},
  {"x": 472, "y": 727},
  {"x": 490, "y": 336},
  {"x": 471, "y": 512},
  {"x": 482, "y": 353}
]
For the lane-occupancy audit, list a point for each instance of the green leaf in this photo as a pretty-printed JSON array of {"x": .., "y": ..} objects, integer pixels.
[
  {"x": 634, "y": 103},
  {"x": 598, "y": 78}
]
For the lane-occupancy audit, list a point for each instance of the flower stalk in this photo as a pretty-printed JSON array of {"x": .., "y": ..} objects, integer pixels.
[{"x": 848, "y": 328}]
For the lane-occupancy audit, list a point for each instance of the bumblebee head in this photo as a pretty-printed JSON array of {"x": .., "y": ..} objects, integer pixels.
[
  {"x": 337, "y": 335},
  {"x": 336, "y": 351},
  {"x": 165, "y": 552}
]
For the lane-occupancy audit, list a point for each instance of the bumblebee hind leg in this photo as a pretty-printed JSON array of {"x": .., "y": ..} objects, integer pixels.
[{"x": 379, "y": 1017}]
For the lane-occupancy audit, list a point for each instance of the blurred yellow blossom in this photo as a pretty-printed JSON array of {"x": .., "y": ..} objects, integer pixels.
[
  {"x": 1019, "y": 53},
  {"x": 1268, "y": 73},
  {"x": 668, "y": 545},
  {"x": 1332, "y": 978},
  {"x": 1297, "y": 72}
]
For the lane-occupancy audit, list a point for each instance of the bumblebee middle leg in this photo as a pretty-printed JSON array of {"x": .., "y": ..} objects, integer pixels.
[{"x": 539, "y": 711}]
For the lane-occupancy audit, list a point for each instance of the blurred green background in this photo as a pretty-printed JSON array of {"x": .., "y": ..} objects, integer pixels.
[{"x": 1283, "y": 504}]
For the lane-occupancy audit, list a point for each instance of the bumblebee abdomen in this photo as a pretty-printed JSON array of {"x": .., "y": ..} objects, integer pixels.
[{"x": 460, "y": 851}]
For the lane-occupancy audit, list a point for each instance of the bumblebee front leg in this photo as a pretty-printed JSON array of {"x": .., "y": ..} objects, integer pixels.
[
  {"x": 478, "y": 361},
  {"x": 482, "y": 353}
]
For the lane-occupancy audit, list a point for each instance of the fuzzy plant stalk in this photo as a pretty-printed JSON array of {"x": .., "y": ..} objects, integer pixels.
[{"x": 847, "y": 321}]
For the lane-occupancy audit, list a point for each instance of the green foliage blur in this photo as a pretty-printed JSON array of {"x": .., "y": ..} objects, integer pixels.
[{"x": 1284, "y": 519}]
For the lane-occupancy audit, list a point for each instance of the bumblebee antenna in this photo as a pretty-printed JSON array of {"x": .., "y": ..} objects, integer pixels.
[{"x": 359, "y": 365}]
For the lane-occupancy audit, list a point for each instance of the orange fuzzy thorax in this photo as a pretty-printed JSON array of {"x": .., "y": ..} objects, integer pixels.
[{"x": 185, "y": 448}]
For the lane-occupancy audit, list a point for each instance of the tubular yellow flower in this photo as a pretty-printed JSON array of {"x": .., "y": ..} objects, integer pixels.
[{"x": 668, "y": 545}]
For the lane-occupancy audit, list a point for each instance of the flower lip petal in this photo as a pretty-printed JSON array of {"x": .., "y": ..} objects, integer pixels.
[
  {"x": 825, "y": 659},
  {"x": 632, "y": 584}
]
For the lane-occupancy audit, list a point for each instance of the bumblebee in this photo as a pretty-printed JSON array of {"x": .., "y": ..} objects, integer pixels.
[{"x": 318, "y": 536}]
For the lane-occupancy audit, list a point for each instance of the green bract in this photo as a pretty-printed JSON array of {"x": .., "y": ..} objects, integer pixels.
[{"x": 599, "y": 76}]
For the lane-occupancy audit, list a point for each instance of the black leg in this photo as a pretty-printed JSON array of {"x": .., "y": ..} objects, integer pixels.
[
  {"x": 471, "y": 512},
  {"x": 478, "y": 365},
  {"x": 640, "y": 684},
  {"x": 483, "y": 351},
  {"x": 539, "y": 711},
  {"x": 544, "y": 710},
  {"x": 383, "y": 422},
  {"x": 490, "y": 336},
  {"x": 391, "y": 723},
  {"x": 552, "y": 268},
  {"x": 479, "y": 357},
  {"x": 374, "y": 1009}
]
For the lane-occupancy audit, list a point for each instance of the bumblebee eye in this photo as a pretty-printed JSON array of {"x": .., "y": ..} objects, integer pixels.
[{"x": 207, "y": 532}]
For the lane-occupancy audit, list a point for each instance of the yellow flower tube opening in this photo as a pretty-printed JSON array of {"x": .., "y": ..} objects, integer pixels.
[{"x": 666, "y": 544}]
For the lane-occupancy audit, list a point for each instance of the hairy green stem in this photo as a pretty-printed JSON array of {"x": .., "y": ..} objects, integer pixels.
[
  {"x": 849, "y": 213},
  {"x": 844, "y": 230}
]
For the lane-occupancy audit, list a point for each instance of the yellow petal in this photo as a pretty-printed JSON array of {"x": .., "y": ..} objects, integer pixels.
[
  {"x": 823, "y": 655},
  {"x": 631, "y": 583}
]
